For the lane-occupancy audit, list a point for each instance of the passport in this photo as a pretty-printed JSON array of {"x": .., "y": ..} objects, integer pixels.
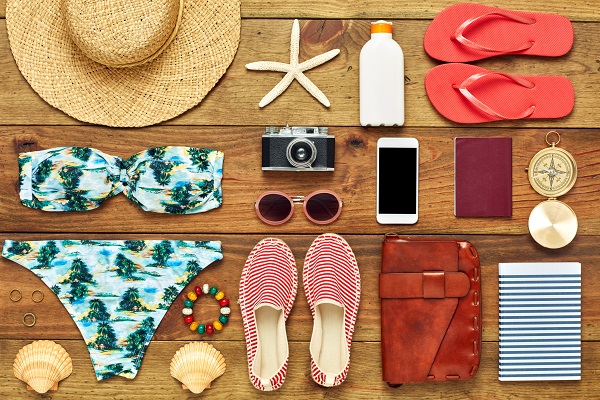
[{"x": 482, "y": 177}]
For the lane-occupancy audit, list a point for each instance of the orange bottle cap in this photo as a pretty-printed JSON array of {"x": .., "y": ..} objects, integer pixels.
[{"x": 381, "y": 27}]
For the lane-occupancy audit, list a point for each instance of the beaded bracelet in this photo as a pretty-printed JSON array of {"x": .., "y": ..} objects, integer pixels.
[{"x": 189, "y": 303}]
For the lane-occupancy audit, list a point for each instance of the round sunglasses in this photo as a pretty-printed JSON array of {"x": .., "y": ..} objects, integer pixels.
[{"x": 320, "y": 207}]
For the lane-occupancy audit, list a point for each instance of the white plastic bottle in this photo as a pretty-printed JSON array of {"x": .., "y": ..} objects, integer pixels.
[{"x": 381, "y": 75}]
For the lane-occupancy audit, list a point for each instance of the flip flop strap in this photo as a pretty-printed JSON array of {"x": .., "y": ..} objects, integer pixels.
[
  {"x": 463, "y": 88},
  {"x": 459, "y": 34}
]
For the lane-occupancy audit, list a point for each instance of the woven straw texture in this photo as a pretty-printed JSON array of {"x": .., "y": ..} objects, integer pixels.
[
  {"x": 117, "y": 33},
  {"x": 205, "y": 44}
]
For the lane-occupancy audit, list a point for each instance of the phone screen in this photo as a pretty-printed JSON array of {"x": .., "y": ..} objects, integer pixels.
[{"x": 397, "y": 180}]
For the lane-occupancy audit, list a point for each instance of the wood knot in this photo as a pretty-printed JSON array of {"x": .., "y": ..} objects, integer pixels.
[
  {"x": 24, "y": 144},
  {"x": 356, "y": 143},
  {"x": 408, "y": 81},
  {"x": 321, "y": 31}
]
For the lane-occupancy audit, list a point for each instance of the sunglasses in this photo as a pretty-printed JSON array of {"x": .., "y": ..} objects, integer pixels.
[{"x": 321, "y": 207}]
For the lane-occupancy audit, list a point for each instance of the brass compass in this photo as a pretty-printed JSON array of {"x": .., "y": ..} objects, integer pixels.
[{"x": 552, "y": 172}]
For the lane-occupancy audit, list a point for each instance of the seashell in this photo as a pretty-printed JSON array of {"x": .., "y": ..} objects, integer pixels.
[
  {"x": 196, "y": 365},
  {"x": 42, "y": 364}
]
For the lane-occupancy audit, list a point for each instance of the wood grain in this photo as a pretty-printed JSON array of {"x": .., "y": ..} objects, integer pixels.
[
  {"x": 53, "y": 320},
  {"x": 354, "y": 179},
  {"x": 234, "y": 101},
  {"x": 363, "y": 382},
  {"x": 576, "y": 10}
]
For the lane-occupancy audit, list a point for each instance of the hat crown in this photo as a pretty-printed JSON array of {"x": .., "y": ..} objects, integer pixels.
[{"x": 120, "y": 33}]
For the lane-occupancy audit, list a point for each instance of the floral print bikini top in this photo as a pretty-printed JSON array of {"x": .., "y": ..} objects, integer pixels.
[{"x": 172, "y": 179}]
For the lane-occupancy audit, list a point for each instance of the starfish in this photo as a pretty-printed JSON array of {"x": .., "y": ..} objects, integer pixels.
[{"x": 294, "y": 70}]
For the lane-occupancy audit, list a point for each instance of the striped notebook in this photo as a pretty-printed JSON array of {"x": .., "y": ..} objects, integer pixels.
[{"x": 540, "y": 321}]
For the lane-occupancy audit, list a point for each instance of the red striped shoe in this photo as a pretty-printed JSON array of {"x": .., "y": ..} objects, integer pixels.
[
  {"x": 332, "y": 286},
  {"x": 267, "y": 291}
]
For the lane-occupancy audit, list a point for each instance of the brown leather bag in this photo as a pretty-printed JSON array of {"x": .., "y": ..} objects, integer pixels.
[{"x": 430, "y": 310}]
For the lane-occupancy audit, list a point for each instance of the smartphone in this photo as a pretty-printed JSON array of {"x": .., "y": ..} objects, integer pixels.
[{"x": 397, "y": 180}]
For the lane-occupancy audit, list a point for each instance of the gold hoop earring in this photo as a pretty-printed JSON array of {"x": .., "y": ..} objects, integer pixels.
[
  {"x": 15, "y": 298},
  {"x": 32, "y": 315},
  {"x": 33, "y": 296}
]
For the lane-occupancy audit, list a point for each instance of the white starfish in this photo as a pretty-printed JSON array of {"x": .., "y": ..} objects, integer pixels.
[{"x": 294, "y": 70}]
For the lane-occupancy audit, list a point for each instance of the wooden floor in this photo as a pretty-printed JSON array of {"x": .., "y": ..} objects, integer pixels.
[{"x": 229, "y": 120}]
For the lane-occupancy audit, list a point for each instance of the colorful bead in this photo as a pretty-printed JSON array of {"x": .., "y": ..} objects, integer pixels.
[
  {"x": 188, "y": 303},
  {"x": 218, "y": 326},
  {"x": 213, "y": 290},
  {"x": 192, "y": 296},
  {"x": 189, "y": 319},
  {"x": 198, "y": 290},
  {"x": 205, "y": 288},
  {"x": 201, "y": 329},
  {"x": 225, "y": 310},
  {"x": 209, "y": 329},
  {"x": 219, "y": 295},
  {"x": 194, "y": 326},
  {"x": 223, "y": 319},
  {"x": 224, "y": 302},
  {"x": 187, "y": 311}
]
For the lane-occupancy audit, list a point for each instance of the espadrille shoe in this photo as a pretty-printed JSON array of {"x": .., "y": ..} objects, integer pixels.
[
  {"x": 332, "y": 286},
  {"x": 268, "y": 288}
]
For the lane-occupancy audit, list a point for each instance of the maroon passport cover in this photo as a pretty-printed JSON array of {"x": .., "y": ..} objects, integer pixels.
[{"x": 483, "y": 177}]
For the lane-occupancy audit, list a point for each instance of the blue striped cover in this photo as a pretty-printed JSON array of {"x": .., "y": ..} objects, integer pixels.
[{"x": 540, "y": 321}]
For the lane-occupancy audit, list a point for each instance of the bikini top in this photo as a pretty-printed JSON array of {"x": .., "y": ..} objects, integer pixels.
[{"x": 172, "y": 179}]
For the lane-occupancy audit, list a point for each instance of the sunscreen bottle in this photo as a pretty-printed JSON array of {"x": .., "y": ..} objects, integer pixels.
[{"x": 381, "y": 76}]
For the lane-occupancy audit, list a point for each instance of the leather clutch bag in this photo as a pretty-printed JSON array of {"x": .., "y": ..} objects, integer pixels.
[{"x": 430, "y": 292}]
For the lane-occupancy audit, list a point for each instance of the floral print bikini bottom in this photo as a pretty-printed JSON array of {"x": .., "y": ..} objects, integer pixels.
[{"x": 116, "y": 291}]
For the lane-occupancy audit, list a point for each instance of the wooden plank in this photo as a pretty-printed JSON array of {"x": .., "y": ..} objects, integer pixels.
[
  {"x": 363, "y": 382},
  {"x": 576, "y": 10},
  {"x": 53, "y": 320},
  {"x": 235, "y": 99},
  {"x": 354, "y": 179}
]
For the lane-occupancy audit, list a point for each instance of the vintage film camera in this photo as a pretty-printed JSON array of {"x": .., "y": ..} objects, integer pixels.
[{"x": 298, "y": 148}]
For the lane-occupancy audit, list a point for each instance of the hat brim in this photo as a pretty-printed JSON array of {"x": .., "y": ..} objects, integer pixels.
[{"x": 162, "y": 89}]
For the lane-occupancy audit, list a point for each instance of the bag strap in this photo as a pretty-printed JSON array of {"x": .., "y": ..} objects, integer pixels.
[{"x": 426, "y": 285}]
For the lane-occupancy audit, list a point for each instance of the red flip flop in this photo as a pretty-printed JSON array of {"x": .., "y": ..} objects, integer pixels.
[
  {"x": 468, "y": 94},
  {"x": 469, "y": 32}
]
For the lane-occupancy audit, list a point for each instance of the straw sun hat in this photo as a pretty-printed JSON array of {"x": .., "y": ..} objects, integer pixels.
[{"x": 123, "y": 62}]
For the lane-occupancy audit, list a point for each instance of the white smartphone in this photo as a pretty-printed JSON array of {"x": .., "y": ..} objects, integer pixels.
[{"x": 397, "y": 180}]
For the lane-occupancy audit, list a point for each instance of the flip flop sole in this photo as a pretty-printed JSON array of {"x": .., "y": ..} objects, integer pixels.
[
  {"x": 551, "y": 34},
  {"x": 552, "y": 96}
]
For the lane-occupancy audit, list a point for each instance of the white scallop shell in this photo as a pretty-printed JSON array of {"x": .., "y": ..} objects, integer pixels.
[
  {"x": 196, "y": 365},
  {"x": 42, "y": 364}
]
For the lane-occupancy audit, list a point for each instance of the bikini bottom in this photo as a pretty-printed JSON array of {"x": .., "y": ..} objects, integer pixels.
[{"x": 116, "y": 291}]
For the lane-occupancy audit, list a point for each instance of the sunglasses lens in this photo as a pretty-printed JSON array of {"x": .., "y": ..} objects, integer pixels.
[
  {"x": 322, "y": 206},
  {"x": 274, "y": 207}
]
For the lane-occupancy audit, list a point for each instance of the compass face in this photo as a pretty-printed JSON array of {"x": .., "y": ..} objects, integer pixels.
[{"x": 552, "y": 172}]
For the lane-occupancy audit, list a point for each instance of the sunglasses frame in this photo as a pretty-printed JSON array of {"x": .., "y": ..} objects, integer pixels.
[{"x": 297, "y": 200}]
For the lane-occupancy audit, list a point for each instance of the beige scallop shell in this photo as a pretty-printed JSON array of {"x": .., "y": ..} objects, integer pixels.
[
  {"x": 42, "y": 364},
  {"x": 196, "y": 365}
]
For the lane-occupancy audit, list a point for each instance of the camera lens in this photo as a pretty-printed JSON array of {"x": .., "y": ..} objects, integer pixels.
[{"x": 301, "y": 153}]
